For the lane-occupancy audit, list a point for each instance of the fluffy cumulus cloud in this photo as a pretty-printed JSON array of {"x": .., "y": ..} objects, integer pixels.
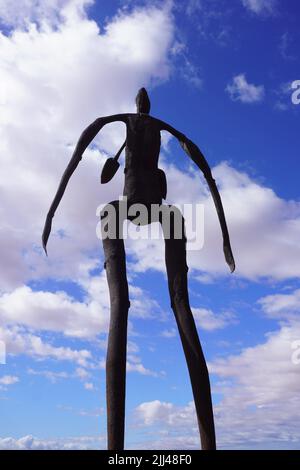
[
  {"x": 8, "y": 380},
  {"x": 32, "y": 443},
  {"x": 264, "y": 228},
  {"x": 19, "y": 340},
  {"x": 100, "y": 74},
  {"x": 49, "y": 73},
  {"x": 24, "y": 311},
  {"x": 53, "y": 312},
  {"x": 239, "y": 89},
  {"x": 260, "y": 7},
  {"x": 259, "y": 391},
  {"x": 282, "y": 306},
  {"x": 21, "y": 14},
  {"x": 155, "y": 411},
  {"x": 89, "y": 386},
  {"x": 60, "y": 70},
  {"x": 58, "y": 312},
  {"x": 210, "y": 321},
  {"x": 134, "y": 364}
]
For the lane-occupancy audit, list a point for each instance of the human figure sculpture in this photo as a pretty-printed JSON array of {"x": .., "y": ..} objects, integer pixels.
[{"x": 145, "y": 184}]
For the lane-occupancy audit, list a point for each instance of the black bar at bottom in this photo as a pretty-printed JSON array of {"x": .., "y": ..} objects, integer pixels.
[{"x": 151, "y": 458}]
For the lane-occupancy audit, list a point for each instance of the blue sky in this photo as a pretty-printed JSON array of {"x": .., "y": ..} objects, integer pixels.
[{"x": 221, "y": 72}]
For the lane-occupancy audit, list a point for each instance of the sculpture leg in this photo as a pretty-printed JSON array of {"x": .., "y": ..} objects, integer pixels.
[
  {"x": 115, "y": 264},
  {"x": 175, "y": 255}
]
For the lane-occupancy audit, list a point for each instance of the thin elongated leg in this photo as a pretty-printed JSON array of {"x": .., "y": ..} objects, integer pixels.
[
  {"x": 115, "y": 263},
  {"x": 175, "y": 255}
]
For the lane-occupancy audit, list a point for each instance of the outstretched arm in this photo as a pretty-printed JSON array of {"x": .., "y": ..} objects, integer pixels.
[
  {"x": 196, "y": 155},
  {"x": 85, "y": 139}
]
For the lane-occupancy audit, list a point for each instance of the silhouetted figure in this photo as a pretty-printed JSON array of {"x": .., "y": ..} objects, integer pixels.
[{"x": 146, "y": 184}]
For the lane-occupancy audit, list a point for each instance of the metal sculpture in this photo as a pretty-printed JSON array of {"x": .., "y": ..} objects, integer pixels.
[{"x": 145, "y": 184}]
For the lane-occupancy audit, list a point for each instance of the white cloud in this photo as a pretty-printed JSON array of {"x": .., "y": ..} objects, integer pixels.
[
  {"x": 21, "y": 14},
  {"x": 62, "y": 93},
  {"x": 49, "y": 374},
  {"x": 59, "y": 312},
  {"x": 286, "y": 41},
  {"x": 142, "y": 305},
  {"x": 264, "y": 228},
  {"x": 54, "y": 376},
  {"x": 211, "y": 17},
  {"x": 55, "y": 312},
  {"x": 171, "y": 333},
  {"x": 134, "y": 364},
  {"x": 82, "y": 373},
  {"x": 140, "y": 368},
  {"x": 282, "y": 306},
  {"x": 259, "y": 408},
  {"x": 283, "y": 96},
  {"x": 260, "y": 6},
  {"x": 8, "y": 380},
  {"x": 19, "y": 341},
  {"x": 154, "y": 411},
  {"x": 190, "y": 73},
  {"x": 264, "y": 374},
  {"x": 241, "y": 90},
  {"x": 259, "y": 393},
  {"x": 210, "y": 321},
  {"x": 173, "y": 427},
  {"x": 132, "y": 347},
  {"x": 24, "y": 311},
  {"x": 33, "y": 443},
  {"x": 93, "y": 413},
  {"x": 89, "y": 386},
  {"x": 97, "y": 82},
  {"x": 193, "y": 7},
  {"x": 100, "y": 74}
]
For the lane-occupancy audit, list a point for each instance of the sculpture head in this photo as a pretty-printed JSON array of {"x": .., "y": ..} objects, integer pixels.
[{"x": 142, "y": 101}]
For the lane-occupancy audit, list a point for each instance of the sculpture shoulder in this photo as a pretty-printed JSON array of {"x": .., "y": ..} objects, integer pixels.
[
  {"x": 113, "y": 118},
  {"x": 164, "y": 126},
  {"x": 132, "y": 118}
]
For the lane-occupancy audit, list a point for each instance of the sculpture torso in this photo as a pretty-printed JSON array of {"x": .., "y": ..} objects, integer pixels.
[{"x": 144, "y": 182}]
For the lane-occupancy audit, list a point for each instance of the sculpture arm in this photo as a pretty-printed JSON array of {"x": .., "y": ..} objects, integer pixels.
[
  {"x": 196, "y": 155},
  {"x": 85, "y": 139}
]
